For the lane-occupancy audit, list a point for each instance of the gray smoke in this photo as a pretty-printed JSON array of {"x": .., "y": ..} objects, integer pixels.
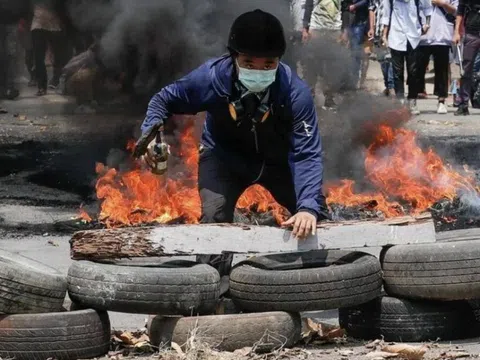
[{"x": 165, "y": 38}]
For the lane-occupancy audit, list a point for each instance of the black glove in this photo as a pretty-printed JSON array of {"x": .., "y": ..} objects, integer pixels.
[{"x": 144, "y": 140}]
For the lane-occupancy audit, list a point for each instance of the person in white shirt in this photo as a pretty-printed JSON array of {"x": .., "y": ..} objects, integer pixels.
[
  {"x": 401, "y": 33},
  {"x": 292, "y": 56},
  {"x": 437, "y": 43}
]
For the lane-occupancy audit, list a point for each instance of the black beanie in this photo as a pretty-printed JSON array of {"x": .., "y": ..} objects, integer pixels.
[{"x": 257, "y": 33}]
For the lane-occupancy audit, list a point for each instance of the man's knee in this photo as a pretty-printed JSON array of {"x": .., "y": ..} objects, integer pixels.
[{"x": 215, "y": 208}]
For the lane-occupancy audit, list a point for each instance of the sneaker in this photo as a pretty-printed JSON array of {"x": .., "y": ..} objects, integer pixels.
[
  {"x": 462, "y": 110},
  {"x": 412, "y": 105},
  {"x": 386, "y": 92},
  {"x": 442, "y": 109}
]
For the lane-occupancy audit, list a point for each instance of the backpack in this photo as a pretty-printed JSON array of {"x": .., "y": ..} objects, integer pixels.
[{"x": 472, "y": 16}]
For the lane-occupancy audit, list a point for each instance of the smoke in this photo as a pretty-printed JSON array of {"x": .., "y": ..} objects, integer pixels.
[
  {"x": 157, "y": 41},
  {"x": 348, "y": 132}
]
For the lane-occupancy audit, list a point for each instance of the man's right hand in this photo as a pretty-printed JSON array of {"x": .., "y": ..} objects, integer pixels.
[
  {"x": 456, "y": 38},
  {"x": 370, "y": 34}
]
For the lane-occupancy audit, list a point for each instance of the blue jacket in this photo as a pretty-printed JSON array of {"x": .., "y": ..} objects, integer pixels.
[{"x": 290, "y": 136}]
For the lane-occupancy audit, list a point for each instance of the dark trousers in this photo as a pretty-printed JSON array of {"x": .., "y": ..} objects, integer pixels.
[
  {"x": 398, "y": 62},
  {"x": 471, "y": 47},
  {"x": 220, "y": 187},
  {"x": 356, "y": 34},
  {"x": 59, "y": 43},
  {"x": 441, "y": 63}
]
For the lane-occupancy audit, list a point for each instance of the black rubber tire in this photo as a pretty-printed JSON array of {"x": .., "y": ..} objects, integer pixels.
[
  {"x": 28, "y": 286},
  {"x": 174, "y": 288},
  {"x": 305, "y": 281},
  {"x": 264, "y": 331},
  {"x": 439, "y": 271},
  {"x": 475, "y": 307},
  {"x": 404, "y": 320},
  {"x": 72, "y": 335}
]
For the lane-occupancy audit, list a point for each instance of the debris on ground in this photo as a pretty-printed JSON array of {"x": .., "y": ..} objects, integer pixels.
[
  {"x": 405, "y": 351},
  {"x": 453, "y": 354},
  {"x": 125, "y": 342},
  {"x": 321, "y": 333}
]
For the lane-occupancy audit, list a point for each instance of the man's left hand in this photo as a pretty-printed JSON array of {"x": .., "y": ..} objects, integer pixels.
[{"x": 304, "y": 224}]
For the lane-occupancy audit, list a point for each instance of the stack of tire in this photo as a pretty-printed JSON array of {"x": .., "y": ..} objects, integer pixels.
[
  {"x": 429, "y": 290},
  {"x": 35, "y": 325},
  {"x": 273, "y": 290}
]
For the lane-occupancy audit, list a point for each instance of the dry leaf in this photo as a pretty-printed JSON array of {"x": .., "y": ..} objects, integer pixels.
[
  {"x": 51, "y": 242},
  {"x": 137, "y": 340},
  {"x": 316, "y": 331},
  {"x": 22, "y": 117},
  {"x": 406, "y": 351},
  {"x": 177, "y": 348},
  {"x": 346, "y": 352},
  {"x": 381, "y": 355},
  {"x": 313, "y": 326},
  {"x": 335, "y": 333},
  {"x": 126, "y": 338}
]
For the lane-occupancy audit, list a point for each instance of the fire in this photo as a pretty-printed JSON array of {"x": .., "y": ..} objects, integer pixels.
[
  {"x": 406, "y": 179},
  {"x": 399, "y": 169},
  {"x": 138, "y": 196}
]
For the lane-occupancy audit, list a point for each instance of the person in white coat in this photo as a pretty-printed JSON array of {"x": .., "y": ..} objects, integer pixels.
[{"x": 402, "y": 32}]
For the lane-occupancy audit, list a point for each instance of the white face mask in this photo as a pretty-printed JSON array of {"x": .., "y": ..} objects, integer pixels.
[{"x": 256, "y": 80}]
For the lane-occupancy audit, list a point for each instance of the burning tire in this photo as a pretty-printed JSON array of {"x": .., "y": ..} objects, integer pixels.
[
  {"x": 72, "y": 335},
  {"x": 171, "y": 288},
  {"x": 262, "y": 331},
  {"x": 28, "y": 286},
  {"x": 305, "y": 281},
  {"x": 438, "y": 271},
  {"x": 405, "y": 320}
]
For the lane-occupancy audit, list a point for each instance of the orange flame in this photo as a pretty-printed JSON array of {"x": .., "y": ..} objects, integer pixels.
[
  {"x": 395, "y": 165},
  {"x": 139, "y": 196},
  {"x": 400, "y": 169}
]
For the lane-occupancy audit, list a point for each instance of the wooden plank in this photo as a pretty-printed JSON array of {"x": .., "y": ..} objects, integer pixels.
[{"x": 236, "y": 238}]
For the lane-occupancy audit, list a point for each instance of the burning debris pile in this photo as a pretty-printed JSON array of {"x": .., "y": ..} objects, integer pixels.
[{"x": 403, "y": 179}]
